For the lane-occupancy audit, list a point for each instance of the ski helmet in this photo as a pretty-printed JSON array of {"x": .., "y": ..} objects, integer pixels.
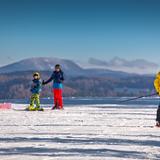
[{"x": 36, "y": 74}]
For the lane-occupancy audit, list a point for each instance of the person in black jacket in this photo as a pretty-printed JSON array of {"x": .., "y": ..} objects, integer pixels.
[{"x": 57, "y": 78}]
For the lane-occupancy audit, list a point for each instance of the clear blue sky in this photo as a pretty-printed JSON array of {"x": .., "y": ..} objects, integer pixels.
[{"x": 79, "y": 29}]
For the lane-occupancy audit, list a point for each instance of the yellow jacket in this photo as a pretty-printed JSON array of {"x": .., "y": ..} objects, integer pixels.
[{"x": 157, "y": 83}]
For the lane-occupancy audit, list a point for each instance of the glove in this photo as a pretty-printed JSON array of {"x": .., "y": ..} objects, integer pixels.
[
  {"x": 158, "y": 93},
  {"x": 43, "y": 82}
]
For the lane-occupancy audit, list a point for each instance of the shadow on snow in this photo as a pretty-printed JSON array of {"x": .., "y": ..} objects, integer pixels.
[{"x": 71, "y": 141}]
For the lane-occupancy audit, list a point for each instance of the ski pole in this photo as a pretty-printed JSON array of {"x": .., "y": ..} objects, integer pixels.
[{"x": 138, "y": 97}]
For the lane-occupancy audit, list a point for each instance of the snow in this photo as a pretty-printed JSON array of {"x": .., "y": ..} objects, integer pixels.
[{"x": 84, "y": 132}]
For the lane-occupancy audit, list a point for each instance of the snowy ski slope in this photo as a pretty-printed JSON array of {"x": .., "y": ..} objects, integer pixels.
[{"x": 84, "y": 132}]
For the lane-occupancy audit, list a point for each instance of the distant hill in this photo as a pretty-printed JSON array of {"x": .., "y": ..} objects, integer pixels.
[
  {"x": 139, "y": 66},
  {"x": 70, "y": 68},
  {"x": 15, "y": 80},
  {"x": 41, "y": 64}
]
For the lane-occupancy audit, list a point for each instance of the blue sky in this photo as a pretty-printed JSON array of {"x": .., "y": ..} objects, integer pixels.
[{"x": 79, "y": 29}]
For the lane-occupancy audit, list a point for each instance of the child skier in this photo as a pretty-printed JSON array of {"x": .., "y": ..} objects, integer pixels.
[
  {"x": 157, "y": 87},
  {"x": 57, "y": 78},
  {"x": 35, "y": 90}
]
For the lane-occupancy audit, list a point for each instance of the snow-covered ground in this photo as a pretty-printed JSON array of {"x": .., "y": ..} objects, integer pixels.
[{"x": 93, "y": 132}]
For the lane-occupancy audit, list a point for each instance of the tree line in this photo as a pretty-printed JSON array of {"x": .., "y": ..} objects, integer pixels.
[{"x": 17, "y": 85}]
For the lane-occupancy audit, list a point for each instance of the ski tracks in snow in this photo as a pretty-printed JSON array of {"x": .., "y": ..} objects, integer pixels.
[{"x": 80, "y": 133}]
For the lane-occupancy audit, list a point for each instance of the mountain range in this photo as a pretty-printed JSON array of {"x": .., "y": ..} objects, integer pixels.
[
  {"x": 15, "y": 79},
  {"x": 115, "y": 67},
  {"x": 40, "y": 64},
  {"x": 70, "y": 68},
  {"x": 139, "y": 66}
]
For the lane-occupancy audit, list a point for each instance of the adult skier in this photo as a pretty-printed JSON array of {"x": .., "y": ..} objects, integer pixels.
[{"x": 157, "y": 87}]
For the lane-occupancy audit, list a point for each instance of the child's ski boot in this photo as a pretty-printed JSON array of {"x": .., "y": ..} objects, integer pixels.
[
  {"x": 39, "y": 109},
  {"x": 61, "y": 108},
  {"x": 30, "y": 108},
  {"x": 157, "y": 124},
  {"x": 57, "y": 107},
  {"x": 54, "y": 107}
]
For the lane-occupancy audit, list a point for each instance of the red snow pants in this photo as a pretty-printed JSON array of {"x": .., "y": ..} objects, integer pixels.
[{"x": 58, "y": 101}]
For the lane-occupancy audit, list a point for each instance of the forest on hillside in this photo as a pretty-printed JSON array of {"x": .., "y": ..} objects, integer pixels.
[{"x": 17, "y": 85}]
